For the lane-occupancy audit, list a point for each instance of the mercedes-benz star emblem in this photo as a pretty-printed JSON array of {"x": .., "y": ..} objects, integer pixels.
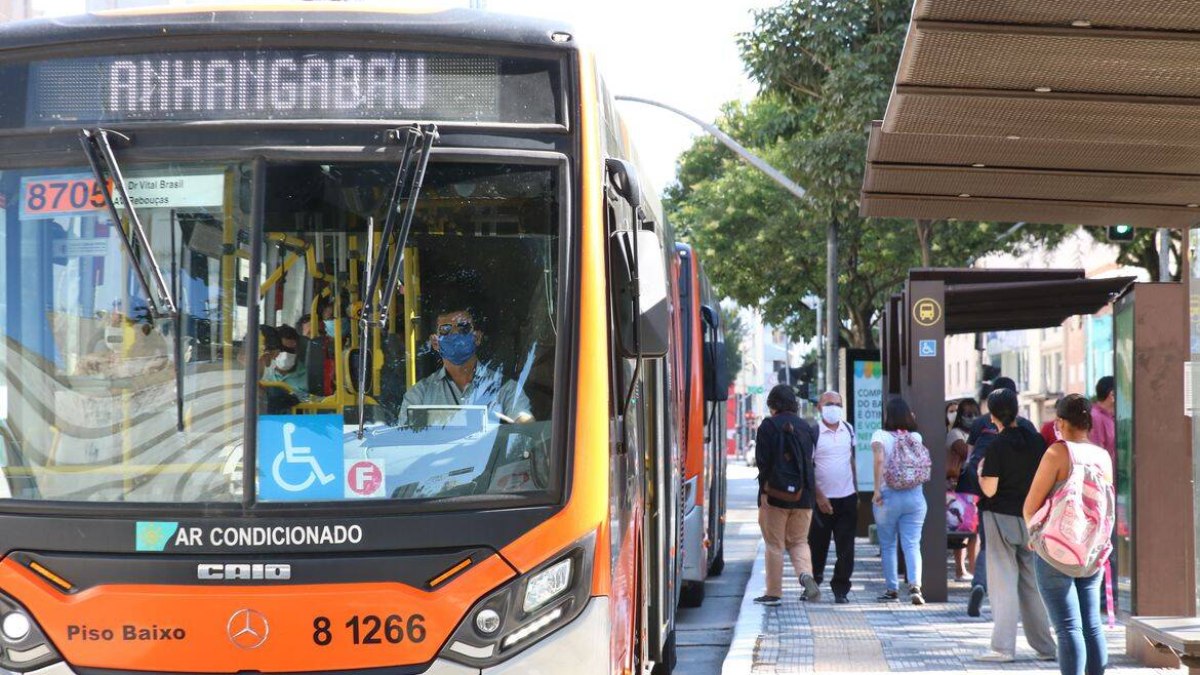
[{"x": 248, "y": 628}]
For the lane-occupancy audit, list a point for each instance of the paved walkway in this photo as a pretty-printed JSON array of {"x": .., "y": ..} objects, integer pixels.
[{"x": 869, "y": 636}]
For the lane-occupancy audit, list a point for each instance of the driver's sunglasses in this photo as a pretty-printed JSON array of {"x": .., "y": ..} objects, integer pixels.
[{"x": 464, "y": 327}]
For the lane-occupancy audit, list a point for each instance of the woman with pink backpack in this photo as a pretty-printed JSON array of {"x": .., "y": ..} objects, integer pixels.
[{"x": 1070, "y": 511}]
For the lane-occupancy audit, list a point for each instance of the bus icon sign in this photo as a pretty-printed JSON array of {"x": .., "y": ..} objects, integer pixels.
[
  {"x": 299, "y": 457},
  {"x": 927, "y": 312}
]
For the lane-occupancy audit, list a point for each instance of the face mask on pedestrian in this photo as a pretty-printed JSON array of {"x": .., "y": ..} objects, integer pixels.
[
  {"x": 968, "y": 420},
  {"x": 457, "y": 348},
  {"x": 950, "y": 418},
  {"x": 831, "y": 413},
  {"x": 330, "y": 324}
]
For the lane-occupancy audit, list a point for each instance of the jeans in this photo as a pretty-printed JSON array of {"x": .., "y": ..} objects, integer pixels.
[
  {"x": 1014, "y": 587},
  {"x": 839, "y": 526},
  {"x": 902, "y": 513},
  {"x": 784, "y": 530},
  {"x": 1074, "y": 607}
]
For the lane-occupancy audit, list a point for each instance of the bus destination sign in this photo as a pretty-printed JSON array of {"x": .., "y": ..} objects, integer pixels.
[{"x": 283, "y": 85}]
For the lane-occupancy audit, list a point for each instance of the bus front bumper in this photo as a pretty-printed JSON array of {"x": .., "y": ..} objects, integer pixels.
[{"x": 580, "y": 647}]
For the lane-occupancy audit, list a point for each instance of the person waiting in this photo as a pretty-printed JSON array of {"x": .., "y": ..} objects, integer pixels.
[
  {"x": 837, "y": 495},
  {"x": 1005, "y": 475},
  {"x": 899, "y": 509}
]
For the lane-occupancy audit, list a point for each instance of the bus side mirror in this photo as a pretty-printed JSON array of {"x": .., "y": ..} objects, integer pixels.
[
  {"x": 716, "y": 374},
  {"x": 645, "y": 335},
  {"x": 623, "y": 177}
]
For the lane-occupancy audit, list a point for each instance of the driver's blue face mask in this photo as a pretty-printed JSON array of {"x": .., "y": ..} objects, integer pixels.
[{"x": 457, "y": 348}]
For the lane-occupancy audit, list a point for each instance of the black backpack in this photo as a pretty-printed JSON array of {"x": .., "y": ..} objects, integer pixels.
[{"x": 786, "y": 480}]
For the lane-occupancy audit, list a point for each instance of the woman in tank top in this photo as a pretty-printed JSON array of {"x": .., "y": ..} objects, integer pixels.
[{"x": 1073, "y": 603}]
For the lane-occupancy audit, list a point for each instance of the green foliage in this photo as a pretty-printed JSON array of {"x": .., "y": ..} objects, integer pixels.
[
  {"x": 825, "y": 69},
  {"x": 733, "y": 330}
]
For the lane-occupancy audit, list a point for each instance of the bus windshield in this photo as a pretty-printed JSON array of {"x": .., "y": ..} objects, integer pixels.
[{"x": 459, "y": 375}]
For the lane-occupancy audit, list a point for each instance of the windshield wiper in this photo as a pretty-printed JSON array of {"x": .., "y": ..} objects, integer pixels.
[
  {"x": 410, "y": 175},
  {"x": 98, "y": 150}
]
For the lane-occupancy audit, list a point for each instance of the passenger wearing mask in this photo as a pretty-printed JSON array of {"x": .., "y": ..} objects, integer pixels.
[
  {"x": 463, "y": 379},
  {"x": 837, "y": 495},
  {"x": 783, "y": 453},
  {"x": 983, "y": 432},
  {"x": 957, "y": 451},
  {"x": 1005, "y": 475},
  {"x": 283, "y": 364},
  {"x": 951, "y": 413}
]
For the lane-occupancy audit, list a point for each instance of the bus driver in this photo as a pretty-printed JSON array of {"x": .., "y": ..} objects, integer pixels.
[{"x": 463, "y": 379}]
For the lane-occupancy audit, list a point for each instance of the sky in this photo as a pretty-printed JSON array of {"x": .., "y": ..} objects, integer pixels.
[{"x": 679, "y": 52}]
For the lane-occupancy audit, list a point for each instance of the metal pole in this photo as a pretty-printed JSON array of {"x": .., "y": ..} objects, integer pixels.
[
  {"x": 750, "y": 158},
  {"x": 832, "y": 330},
  {"x": 820, "y": 331}
]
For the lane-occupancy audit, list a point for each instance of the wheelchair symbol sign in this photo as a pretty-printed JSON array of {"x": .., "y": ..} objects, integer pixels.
[
  {"x": 927, "y": 349},
  {"x": 299, "y": 457}
]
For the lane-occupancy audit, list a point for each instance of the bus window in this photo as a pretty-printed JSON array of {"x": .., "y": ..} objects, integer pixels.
[
  {"x": 459, "y": 373},
  {"x": 88, "y": 396}
]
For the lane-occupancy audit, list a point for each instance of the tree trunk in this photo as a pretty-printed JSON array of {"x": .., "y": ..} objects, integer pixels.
[{"x": 924, "y": 238}]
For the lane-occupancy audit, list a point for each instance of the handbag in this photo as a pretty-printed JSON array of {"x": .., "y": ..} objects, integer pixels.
[{"x": 962, "y": 513}]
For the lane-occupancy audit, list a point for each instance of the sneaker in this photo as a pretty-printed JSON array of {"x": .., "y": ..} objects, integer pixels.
[
  {"x": 889, "y": 596},
  {"x": 812, "y": 592},
  {"x": 914, "y": 594},
  {"x": 841, "y": 600},
  {"x": 976, "y": 602},
  {"x": 993, "y": 656},
  {"x": 1046, "y": 656},
  {"x": 768, "y": 600}
]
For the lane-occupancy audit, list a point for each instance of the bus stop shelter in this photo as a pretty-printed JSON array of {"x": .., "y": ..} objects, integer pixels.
[
  {"x": 936, "y": 303},
  {"x": 1074, "y": 112}
]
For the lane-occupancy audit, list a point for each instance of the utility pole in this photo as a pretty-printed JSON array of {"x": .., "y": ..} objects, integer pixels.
[
  {"x": 832, "y": 325},
  {"x": 832, "y": 329}
]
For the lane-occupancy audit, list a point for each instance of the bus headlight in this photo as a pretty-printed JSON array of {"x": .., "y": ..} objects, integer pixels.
[
  {"x": 23, "y": 645},
  {"x": 525, "y": 609},
  {"x": 547, "y": 584}
]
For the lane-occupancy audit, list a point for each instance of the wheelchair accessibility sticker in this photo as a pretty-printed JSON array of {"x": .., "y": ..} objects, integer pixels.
[{"x": 299, "y": 457}]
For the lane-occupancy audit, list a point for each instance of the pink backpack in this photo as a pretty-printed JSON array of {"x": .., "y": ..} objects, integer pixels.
[
  {"x": 909, "y": 464},
  {"x": 1073, "y": 529}
]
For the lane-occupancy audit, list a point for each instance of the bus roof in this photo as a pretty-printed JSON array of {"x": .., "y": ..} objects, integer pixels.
[{"x": 260, "y": 18}]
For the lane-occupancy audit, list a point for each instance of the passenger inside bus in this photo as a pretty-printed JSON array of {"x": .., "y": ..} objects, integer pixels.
[{"x": 463, "y": 379}]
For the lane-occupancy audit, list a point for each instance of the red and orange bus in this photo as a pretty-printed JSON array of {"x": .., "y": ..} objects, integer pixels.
[
  {"x": 704, "y": 392},
  {"x": 335, "y": 339}
]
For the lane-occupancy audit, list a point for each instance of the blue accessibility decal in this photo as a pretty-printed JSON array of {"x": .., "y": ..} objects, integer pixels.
[
  {"x": 928, "y": 349},
  {"x": 300, "y": 457},
  {"x": 154, "y": 535}
]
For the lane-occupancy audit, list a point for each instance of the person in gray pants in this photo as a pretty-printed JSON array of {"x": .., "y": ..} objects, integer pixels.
[{"x": 1005, "y": 475}]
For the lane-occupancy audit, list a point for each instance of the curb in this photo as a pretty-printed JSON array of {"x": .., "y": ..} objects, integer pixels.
[{"x": 739, "y": 660}]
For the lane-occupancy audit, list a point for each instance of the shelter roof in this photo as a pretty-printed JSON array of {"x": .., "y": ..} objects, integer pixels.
[
  {"x": 1071, "y": 111},
  {"x": 985, "y": 300}
]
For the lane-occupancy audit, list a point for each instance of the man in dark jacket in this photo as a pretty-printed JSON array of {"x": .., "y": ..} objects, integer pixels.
[{"x": 785, "y": 517}]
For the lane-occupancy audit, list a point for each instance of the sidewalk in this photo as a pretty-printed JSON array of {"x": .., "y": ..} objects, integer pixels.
[{"x": 870, "y": 636}]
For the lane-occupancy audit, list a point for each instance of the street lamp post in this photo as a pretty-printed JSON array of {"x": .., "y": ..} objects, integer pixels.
[{"x": 831, "y": 242}]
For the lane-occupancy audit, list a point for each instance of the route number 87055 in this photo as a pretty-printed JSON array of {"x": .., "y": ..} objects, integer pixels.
[{"x": 370, "y": 629}]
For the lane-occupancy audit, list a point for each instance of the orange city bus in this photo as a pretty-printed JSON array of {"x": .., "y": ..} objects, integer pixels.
[
  {"x": 704, "y": 390},
  {"x": 335, "y": 339}
]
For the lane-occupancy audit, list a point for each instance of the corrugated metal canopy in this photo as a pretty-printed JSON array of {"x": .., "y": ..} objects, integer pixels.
[
  {"x": 986, "y": 300},
  {"x": 1070, "y": 111}
]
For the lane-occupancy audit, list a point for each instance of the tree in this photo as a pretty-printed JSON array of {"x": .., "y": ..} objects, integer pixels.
[
  {"x": 825, "y": 70},
  {"x": 733, "y": 330},
  {"x": 1143, "y": 250}
]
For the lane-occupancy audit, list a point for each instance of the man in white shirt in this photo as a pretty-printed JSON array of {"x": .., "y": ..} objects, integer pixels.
[{"x": 836, "y": 516}]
